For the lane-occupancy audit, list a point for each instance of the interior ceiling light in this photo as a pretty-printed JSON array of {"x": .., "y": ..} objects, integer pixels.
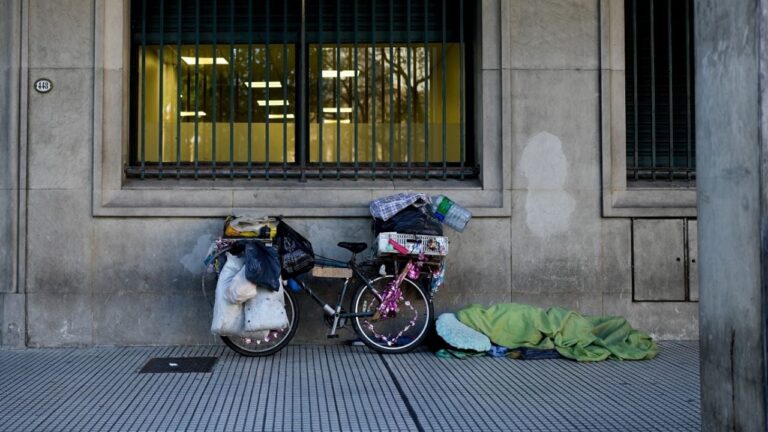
[
  {"x": 332, "y": 110},
  {"x": 272, "y": 102},
  {"x": 264, "y": 84},
  {"x": 191, "y": 114},
  {"x": 203, "y": 61},
  {"x": 332, "y": 73},
  {"x": 280, "y": 116},
  {"x": 344, "y": 121}
]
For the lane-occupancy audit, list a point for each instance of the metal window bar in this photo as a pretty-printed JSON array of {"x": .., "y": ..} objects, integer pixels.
[
  {"x": 337, "y": 88},
  {"x": 160, "y": 91},
  {"x": 426, "y": 89},
  {"x": 653, "y": 91},
  {"x": 356, "y": 102},
  {"x": 143, "y": 117},
  {"x": 671, "y": 92},
  {"x": 232, "y": 81},
  {"x": 197, "y": 90},
  {"x": 320, "y": 100},
  {"x": 285, "y": 90},
  {"x": 178, "y": 90},
  {"x": 267, "y": 90},
  {"x": 688, "y": 32},
  {"x": 462, "y": 83},
  {"x": 250, "y": 92},
  {"x": 435, "y": 15},
  {"x": 302, "y": 94},
  {"x": 214, "y": 89},
  {"x": 374, "y": 153},
  {"x": 634, "y": 82},
  {"x": 655, "y": 98},
  {"x": 391, "y": 91},
  {"x": 410, "y": 86},
  {"x": 443, "y": 86},
  {"x": 400, "y": 97}
]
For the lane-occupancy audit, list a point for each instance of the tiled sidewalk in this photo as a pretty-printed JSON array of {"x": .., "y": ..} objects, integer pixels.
[{"x": 314, "y": 387}]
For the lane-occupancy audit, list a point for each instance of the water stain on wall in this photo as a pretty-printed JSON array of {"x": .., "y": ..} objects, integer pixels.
[
  {"x": 193, "y": 261},
  {"x": 548, "y": 206}
]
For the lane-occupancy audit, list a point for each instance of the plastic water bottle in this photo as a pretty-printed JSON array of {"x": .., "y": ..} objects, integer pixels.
[{"x": 450, "y": 213}]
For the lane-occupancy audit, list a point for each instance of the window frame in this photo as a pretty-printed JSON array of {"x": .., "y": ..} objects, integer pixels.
[
  {"x": 619, "y": 199},
  {"x": 303, "y": 165},
  {"x": 114, "y": 194}
]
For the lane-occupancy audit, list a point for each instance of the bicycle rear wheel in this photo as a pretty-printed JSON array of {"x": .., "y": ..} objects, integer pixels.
[
  {"x": 399, "y": 332},
  {"x": 270, "y": 341}
]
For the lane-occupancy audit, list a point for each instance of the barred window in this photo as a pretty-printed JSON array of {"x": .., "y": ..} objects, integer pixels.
[
  {"x": 300, "y": 89},
  {"x": 660, "y": 91}
]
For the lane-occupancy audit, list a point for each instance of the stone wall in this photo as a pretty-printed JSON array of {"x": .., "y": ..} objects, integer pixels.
[
  {"x": 116, "y": 279},
  {"x": 12, "y": 322}
]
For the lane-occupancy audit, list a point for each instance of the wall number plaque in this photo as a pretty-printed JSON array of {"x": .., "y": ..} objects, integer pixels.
[{"x": 43, "y": 85}]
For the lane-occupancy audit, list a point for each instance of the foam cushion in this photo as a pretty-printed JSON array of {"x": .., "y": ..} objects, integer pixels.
[{"x": 459, "y": 335}]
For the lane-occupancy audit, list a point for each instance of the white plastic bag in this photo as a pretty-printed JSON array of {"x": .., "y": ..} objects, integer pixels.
[
  {"x": 266, "y": 311},
  {"x": 241, "y": 289},
  {"x": 227, "y": 316}
]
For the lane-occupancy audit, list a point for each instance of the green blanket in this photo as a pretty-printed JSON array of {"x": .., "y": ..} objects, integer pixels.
[{"x": 578, "y": 337}]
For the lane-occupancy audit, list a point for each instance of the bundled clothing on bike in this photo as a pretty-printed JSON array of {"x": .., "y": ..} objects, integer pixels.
[
  {"x": 249, "y": 298},
  {"x": 385, "y": 208}
]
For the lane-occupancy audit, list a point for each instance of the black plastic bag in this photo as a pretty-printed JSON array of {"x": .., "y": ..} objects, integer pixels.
[
  {"x": 410, "y": 220},
  {"x": 295, "y": 252},
  {"x": 262, "y": 266}
]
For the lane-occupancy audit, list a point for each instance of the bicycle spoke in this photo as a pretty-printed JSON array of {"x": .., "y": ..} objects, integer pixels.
[
  {"x": 388, "y": 338},
  {"x": 401, "y": 315}
]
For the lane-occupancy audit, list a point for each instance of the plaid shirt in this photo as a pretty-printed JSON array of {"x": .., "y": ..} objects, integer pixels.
[{"x": 385, "y": 208}]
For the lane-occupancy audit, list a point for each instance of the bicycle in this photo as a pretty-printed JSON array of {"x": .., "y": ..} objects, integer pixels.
[{"x": 391, "y": 313}]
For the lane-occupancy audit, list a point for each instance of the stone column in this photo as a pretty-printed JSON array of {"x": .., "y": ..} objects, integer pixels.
[
  {"x": 11, "y": 301},
  {"x": 731, "y": 149}
]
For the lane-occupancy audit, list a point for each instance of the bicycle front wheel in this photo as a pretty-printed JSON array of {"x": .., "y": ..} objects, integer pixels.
[
  {"x": 268, "y": 342},
  {"x": 396, "y": 332}
]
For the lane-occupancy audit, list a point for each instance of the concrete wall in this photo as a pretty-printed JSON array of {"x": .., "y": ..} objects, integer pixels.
[
  {"x": 136, "y": 280},
  {"x": 732, "y": 62}
]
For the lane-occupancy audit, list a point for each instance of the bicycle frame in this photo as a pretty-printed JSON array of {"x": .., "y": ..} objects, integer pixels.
[{"x": 335, "y": 311}]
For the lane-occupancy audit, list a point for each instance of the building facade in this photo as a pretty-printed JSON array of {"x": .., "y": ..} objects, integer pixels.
[{"x": 529, "y": 123}]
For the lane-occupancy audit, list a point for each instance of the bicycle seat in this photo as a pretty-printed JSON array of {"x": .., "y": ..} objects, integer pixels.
[{"x": 353, "y": 247}]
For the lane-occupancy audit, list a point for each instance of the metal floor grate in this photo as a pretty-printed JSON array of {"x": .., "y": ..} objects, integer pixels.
[
  {"x": 99, "y": 389},
  {"x": 556, "y": 395},
  {"x": 179, "y": 365}
]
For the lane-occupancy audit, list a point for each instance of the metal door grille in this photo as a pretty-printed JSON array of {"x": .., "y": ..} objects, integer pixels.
[{"x": 660, "y": 90}]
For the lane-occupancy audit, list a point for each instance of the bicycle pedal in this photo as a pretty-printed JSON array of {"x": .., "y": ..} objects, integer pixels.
[{"x": 334, "y": 336}]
